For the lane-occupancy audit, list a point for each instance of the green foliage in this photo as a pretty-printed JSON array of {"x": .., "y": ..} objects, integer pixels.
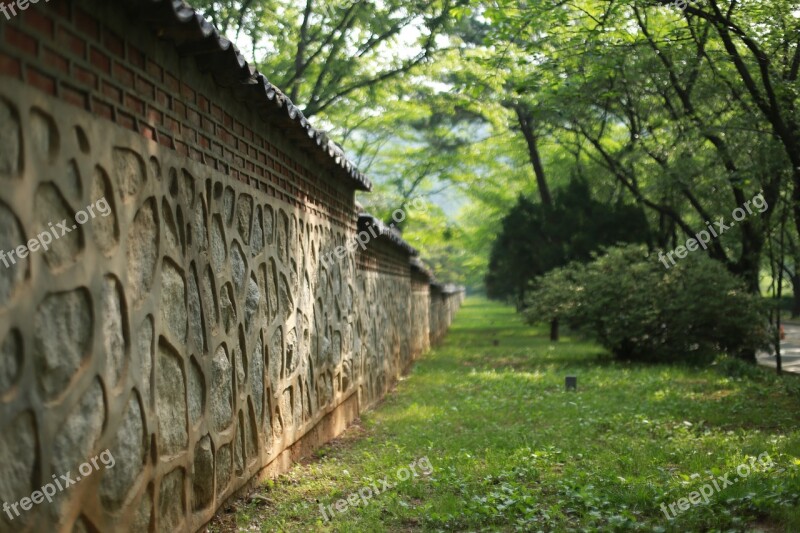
[
  {"x": 333, "y": 53},
  {"x": 536, "y": 238},
  {"x": 684, "y": 113},
  {"x": 636, "y": 308}
]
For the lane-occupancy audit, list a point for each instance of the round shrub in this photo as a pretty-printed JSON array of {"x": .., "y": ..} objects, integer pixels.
[{"x": 637, "y": 309}]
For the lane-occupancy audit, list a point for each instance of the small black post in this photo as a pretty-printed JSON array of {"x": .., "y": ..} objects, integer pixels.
[{"x": 571, "y": 382}]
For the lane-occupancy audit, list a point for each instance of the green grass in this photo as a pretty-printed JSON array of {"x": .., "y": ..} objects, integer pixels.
[{"x": 512, "y": 451}]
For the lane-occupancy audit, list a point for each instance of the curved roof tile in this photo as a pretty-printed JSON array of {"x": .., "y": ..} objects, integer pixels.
[{"x": 365, "y": 220}]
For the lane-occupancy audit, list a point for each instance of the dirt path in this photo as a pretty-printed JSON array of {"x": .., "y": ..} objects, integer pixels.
[{"x": 790, "y": 351}]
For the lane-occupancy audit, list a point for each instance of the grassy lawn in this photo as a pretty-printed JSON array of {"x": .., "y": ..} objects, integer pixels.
[{"x": 510, "y": 450}]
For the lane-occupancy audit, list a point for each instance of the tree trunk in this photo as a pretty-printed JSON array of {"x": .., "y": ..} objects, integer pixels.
[
  {"x": 796, "y": 297},
  {"x": 524, "y": 118},
  {"x": 554, "y": 330}
]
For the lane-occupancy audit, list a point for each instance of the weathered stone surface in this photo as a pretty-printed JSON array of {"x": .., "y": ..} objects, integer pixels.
[
  {"x": 221, "y": 390},
  {"x": 173, "y": 301},
  {"x": 326, "y": 387},
  {"x": 250, "y": 436},
  {"x": 209, "y": 301},
  {"x": 227, "y": 205},
  {"x": 227, "y": 308},
  {"x": 239, "y": 357},
  {"x": 292, "y": 238},
  {"x": 173, "y": 185},
  {"x": 283, "y": 236},
  {"x": 287, "y": 405},
  {"x": 51, "y": 210},
  {"x": 128, "y": 172},
  {"x": 180, "y": 220},
  {"x": 10, "y": 141},
  {"x": 272, "y": 289},
  {"x": 199, "y": 222},
  {"x": 18, "y": 455},
  {"x": 244, "y": 214},
  {"x": 275, "y": 356},
  {"x": 44, "y": 135},
  {"x": 218, "y": 250},
  {"x": 197, "y": 392},
  {"x": 142, "y": 253},
  {"x": 144, "y": 513},
  {"x": 104, "y": 227},
  {"x": 186, "y": 194},
  {"x": 114, "y": 330},
  {"x": 76, "y": 442},
  {"x": 154, "y": 167},
  {"x": 72, "y": 182},
  {"x": 262, "y": 283},
  {"x": 297, "y": 408},
  {"x": 63, "y": 325},
  {"x": 238, "y": 447},
  {"x": 238, "y": 267},
  {"x": 10, "y": 360},
  {"x": 170, "y": 402},
  {"x": 311, "y": 392},
  {"x": 203, "y": 474},
  {"x": 83, "y": 140},
  {"x": 267, "y": 429},
  {"x": 251, "y": 303},
  {"x": 171, "y": 240},
  {"x": 336, "y": 348},
  {"x": 12, "y": 273},
  {"x": 304, "y": 342},
  {"x": 224, "y": 469},
  {"x": 285, "y": 304},
  {"x": 128, "y": 450},
  {"x": 294, "y": 280},
  {"x": 144, "y": 354},
  {"x": 257, "y": 377},
  {"x": 197, "y": 337},
  {"x": 277, "y": 425},
  {"x": 172, "y": 502},
  {"x": 257, "y": 235},
  {"x": 290, "y": 353}
]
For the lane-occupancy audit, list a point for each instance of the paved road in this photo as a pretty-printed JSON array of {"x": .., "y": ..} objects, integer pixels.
[{"x": 790, "y": 351}]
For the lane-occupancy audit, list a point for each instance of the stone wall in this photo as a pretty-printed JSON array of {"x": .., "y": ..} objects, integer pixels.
[{"x": 191, "y": 329}]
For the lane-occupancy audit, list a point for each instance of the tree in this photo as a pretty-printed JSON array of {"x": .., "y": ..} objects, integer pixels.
[
  {"x": 536, "y": 239},
  {"x": 339, "y": 53},
  {"x": 638, "y": 89},
  {"x": 638, "y": 310}
]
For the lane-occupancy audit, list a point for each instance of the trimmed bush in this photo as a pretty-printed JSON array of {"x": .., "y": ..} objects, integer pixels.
[{"x": 637, "y": 309}]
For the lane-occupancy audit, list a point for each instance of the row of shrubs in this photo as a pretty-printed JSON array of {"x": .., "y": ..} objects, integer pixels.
[{"x": 632, "y": 305}]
